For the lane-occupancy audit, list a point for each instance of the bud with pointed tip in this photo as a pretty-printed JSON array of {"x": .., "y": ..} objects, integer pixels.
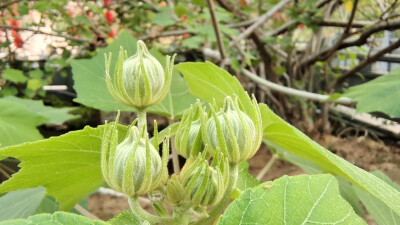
[
  {"x": 134, "y": 166},
  {"x": 203, "y": 184},
  {"x": 188, "y": 137},
  {"x": 139, "y": 81},
  {"x": 233, "y": 132}
]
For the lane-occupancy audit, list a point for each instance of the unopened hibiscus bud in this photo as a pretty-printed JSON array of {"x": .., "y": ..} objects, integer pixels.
[
  {"x": 203, "y": 183},
  {"x": 233, "y": 132},
  {"x": 139, "y": 81},
  {"x": 188, "y": 138},
  {"x": 134, "y": 166}
]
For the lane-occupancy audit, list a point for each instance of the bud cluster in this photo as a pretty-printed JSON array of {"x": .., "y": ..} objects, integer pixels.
[
  {"x": 229, "y": 130},
  {"x": 133, "y": 165}
]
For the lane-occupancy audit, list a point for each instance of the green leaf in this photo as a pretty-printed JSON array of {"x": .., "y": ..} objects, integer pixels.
[
  {"x": 304, "y": 164},
  {"x": 48, "y": 205},
  {"x": 68, "y": 165},
  {"x": 178, "y": 98},
  {"x": 36, "y": 74},
  {"x": 348, "y": 193},
  {"x": 58, "y": 218},
  {"x": 381, "y": 213},
  {"x": 125, "y": 217},
  {"x": 18, "y": 124},
  {"x": 207, "y": 81},
  {"x": 21, "y": 203},
  {"x": 89, "y": 76},
  {"x": 41, "y": 6},
  {"x": 193, "y": 42},
  {"x": 277, "y": 131},
  {"x": 305, "y": 199},
  {"x": 380, "y": 94},
  {"x": 89, "y": 82},
  {"x": 13, "y": 75},
  {"x": 164, "y": 17},
  {"x": 53, "y": 115},
  {"x": 245, "y": 179}
]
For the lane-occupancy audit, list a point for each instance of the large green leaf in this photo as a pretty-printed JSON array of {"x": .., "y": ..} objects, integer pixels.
[
  {"x": 245, "y": 179},
  {"x": 18, "y": 124},
  {"x": 89, "y": 76},
  {"x": 178, "y": 98},
  {"x": 277, "y": 131},
  {"x": 52, "y": 115},
  {"x": 58, "y": 218},
  {"x": 90, "y": 85},
  {"x": 68, "y": 165},
  {"x": 381, "y": 213},
  {"x": 20, "y": 117},
  {"x": 21, "y": 203},
  {"x": 304, "y": 199},
  {"x": 380, "y": 94},
  {"x": 216, "y": 83},
  {"x": 125, "y": 217},
  {"x": 209, "y": 82},
  {"x": 14, "y": 75}
]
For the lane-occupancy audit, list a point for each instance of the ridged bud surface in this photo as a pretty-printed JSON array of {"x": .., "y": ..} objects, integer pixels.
[
  {"x": 233, "y": 132},
  {"x": 134, "y": 166},
  {"x": 188, "y": 137},
  {"x": 139, "y": 81}
]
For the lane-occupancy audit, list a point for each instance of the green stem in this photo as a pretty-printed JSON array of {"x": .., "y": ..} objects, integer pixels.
[
  {"x": 142, "y": 119},
  {"x": 144, "y": 215},
  {"x": 216, "y": 210}
]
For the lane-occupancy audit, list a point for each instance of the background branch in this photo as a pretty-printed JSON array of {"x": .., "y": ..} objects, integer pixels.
[
  {"x": 381, "y": 26},
  {"x": 216, "y": 30},
  {"x": 37, "y": 31},
  {"x": 365, "y": 62}
]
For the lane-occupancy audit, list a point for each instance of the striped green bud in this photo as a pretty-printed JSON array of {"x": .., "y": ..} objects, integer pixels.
[
  {"x": 233, "y": 132},
  {"x": 188, "y": 138},
  {"x": 134, "y": 166},
  {"x": 139, "y": 81}
]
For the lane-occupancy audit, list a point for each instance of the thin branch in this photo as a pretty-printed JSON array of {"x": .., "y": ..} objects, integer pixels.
[
  {"x": 216, "y": 29},
  {"x": 285, "y": 27},
  {"x": 42, "y": 32},
  {"x": 181, "y": 32},
  {"x": 381, "y": 26},
  {"x": 86, "y": 213},
  {"x": 295, "y": 92},
  {"x": 366, "y": 61},
  {"x": 260, "y": 21},
  {"x": 353, "y": 13},
  {"x": 5, "y": 5},
  {"x": 337, "y": 23},
  {"x": 268, "y": 166},
  {"x": 345, "y": 33}
]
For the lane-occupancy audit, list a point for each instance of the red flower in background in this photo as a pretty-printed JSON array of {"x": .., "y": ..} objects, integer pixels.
[
  {"x": 112, "y": 33},
  {"x": 109, "y": 16},
  {"x": 18, "y": 41},
  {"x": 184, "y": 18},
  {"x": 186, "y": 35},
  {"x": 106, "y": 3},
  {"x": 301, "y": 26},
  {"x": 15, "y": 23}
]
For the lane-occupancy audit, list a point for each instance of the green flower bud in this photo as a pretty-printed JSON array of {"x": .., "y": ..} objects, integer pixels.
[
  {"x": 134, "y": 166},
  {"x": 140, "y": 80},
  {"x": 188, "y": 138},
  {"x": 204, "y": 184},
  {"x": 233, "y": 132},
  {"x": 175, "y": 192}
]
